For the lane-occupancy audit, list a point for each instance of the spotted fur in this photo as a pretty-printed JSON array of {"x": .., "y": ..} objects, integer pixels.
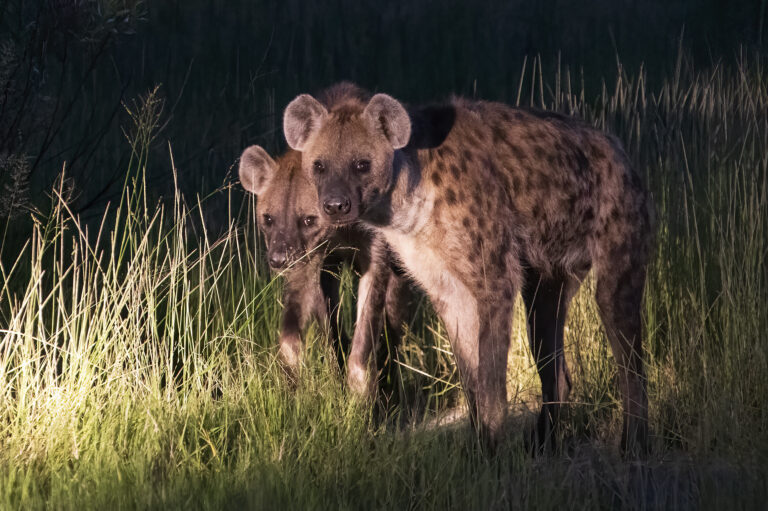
[{"x": 487, "y": 201}]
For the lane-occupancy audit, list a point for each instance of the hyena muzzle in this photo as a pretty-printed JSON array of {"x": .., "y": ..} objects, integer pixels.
[{"x": 479, "y": 201}]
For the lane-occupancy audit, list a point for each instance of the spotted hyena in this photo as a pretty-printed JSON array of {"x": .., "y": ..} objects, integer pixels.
[
  {"x": 310, "y": 252},
  {"x": 479, "y": 201}
]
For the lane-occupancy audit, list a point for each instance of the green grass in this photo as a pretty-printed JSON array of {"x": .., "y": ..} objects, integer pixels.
[{"x": 138, "y": 361}]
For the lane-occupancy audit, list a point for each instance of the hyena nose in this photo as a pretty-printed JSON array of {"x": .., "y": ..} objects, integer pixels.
[
  {"x": 336, "y": 206},
  {"x": 277, "y": 259}
]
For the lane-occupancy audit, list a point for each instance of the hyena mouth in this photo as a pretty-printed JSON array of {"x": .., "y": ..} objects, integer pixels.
[{"x": 342, "y": 222}]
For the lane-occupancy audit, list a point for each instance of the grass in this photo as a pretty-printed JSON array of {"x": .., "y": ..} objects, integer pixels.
[{"x": 138, "y": 363}]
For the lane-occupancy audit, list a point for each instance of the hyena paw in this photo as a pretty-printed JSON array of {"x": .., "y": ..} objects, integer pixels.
[
  {"x": 290, "y": 357},
  {"x": 359, "y": 380}
]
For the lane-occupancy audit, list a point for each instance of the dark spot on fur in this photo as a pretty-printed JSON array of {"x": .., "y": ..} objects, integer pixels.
[
  {"x": 455, "y": 171},
  {"x": 595, "y": 153},
  {"x": 477, "y": 241},
  {"x": 518, "y": 152},
  {"x": 477, "y": 196},
  {"x": 436, "y": 179},
  {"x": 467, "y": 154},
  {"x": 506, "y": 181},
  {"x": 497, "y": 257},
  {"x": 499, "y": 135},
  {"x": 492, "y": 168},
  {"x": 551, "y": 159},
  {"x": 581, "y": 163},
  {"x": 465, "y": 222},
  {"x": 445, "y": 151},
  {"x": 450, "y": 196}
]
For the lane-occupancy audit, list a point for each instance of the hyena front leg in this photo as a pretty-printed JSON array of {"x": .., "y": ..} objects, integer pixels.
[
  {"x": 479, "y": 331},
  {"x": 491, "y": 390},
  {"x": 302, "y": 300},
  {"x": 399, "y": 299},
  {"x": 371, "y": 300},
  {"x": 330, "y": 282}
]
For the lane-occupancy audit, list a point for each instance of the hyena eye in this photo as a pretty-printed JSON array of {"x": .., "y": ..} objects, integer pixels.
[
  {"x": 267, "y": 220},
  {"x": 309, "y": 221},
  {"x": 318, "y": 167},
  {"x": 362, "y": 166}
]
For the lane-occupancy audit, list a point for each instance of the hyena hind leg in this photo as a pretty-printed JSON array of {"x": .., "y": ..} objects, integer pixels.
[
  {"x": 619, "y": 295},
  {"x": 547, "y": 300}
]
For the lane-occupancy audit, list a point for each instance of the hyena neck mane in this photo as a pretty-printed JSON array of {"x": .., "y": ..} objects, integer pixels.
[{"x": 407, "y": 204}]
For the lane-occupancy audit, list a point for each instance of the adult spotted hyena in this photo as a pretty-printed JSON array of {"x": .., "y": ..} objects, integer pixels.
[
  {"x": 309, "y": 252},
  {"x": 479, "y": 201}
]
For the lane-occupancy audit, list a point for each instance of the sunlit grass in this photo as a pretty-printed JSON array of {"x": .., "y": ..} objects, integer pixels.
[{"x": 138, "y": 362}]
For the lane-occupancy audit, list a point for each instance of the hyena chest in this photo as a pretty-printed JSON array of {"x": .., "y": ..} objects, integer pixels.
[
  {"x": 455, "y": 303},
  {"x": 424, "y": 264}
]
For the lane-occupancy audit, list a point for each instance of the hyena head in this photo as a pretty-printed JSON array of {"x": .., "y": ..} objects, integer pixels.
[
  {"x": 287, "y": 205},
  {"x": 347, "y": 152}
]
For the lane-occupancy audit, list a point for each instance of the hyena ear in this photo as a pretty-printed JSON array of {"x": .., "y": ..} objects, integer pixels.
[
  {"x": 302, "y": 118},
  {"x": 256, "y": 169},
  {"x": 389, "y": 116}
]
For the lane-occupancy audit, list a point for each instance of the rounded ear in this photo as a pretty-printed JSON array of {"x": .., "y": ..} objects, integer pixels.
[
  {"x": 256, "y": 169},
  {"x": 389, "y": 116},
  {"x": 302, "y": 118}
]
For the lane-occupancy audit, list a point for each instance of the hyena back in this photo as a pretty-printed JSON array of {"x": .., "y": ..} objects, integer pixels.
[{"x": 479, "y": 201}]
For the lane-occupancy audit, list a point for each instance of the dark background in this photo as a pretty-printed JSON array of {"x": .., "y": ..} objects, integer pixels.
[{"x": 226, "y": 69}]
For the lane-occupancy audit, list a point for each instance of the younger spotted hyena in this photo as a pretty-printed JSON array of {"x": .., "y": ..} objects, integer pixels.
[
  {"x": 310, "y": 253},
  {"x": 479, "y": 201}
]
